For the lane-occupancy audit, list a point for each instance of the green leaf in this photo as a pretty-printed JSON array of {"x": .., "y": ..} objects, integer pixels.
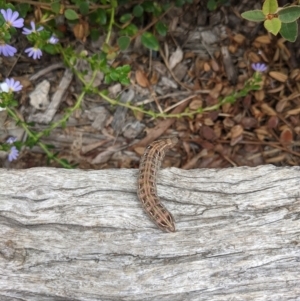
[
  {"x": 273, "y": 26},
  {"x": 125, "y": 69},
  {"x": 289, "y": 31},
  {"x": 50, "y": 48},
  {"x": 138, "y": 11},
  {"x": 129, "y": 30},
  {"x": 84, "y": 8},
  {"x": 106, "y": 48},
  {"x": 212, "y": 5},
  {"x": 179, "y": 3},
  {"x": 102, "y": 18},
  {"x": 254, "y": 15},
  {"x": 23, "y": 9},
  {"x": 270, "y": 7},
  {"x": 95, "y": 34},
  {"x": 125, "y": 18},
  {"x": 107, "y": 79},
  {"x": 289, "y": 14},
  {"x": 55, "y": 6},
  {"x": 123, "y": 42},
  {"x": 114, "y": 75},
  {"x": 124, "y": 80},
  {"x": 71, "y": 14},
  {"x": 148, "y": 6},
  {"x": 150, "y": 41},
  {"x": 161, "y": 28}
]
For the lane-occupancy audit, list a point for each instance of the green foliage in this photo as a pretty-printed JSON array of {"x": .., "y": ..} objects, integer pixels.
[
  {"x": 71, "y": 14},
  {"x": 254, "y": 15},
  {"x": 214, "y": 4},
  {"x": 123, "y": 42},
  {"x": 289, "y": 30},
  {"x": 270, "y": 7},
  {"x": 98, "y": 17},
  {"x": 150, "y": 41},
  {"x": 138, "y": 11},
  {"x": 289, "y": 14},
  {"x": 273, "y": 26},
  {"x": 277, "y": 19},
  {"x": 161, "y": 28}
]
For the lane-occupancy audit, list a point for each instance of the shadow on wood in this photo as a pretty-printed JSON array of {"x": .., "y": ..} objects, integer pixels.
[{"x": 82, "y": 235}]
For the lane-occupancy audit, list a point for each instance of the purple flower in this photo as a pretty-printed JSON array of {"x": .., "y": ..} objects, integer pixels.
[
  {"x": 11, "y": 140},
  {"x": 13, "y": 154},
  {"x": 259, "y": 67},
  {"x": 13, "y": 85},
  {"x": 11, "y": 18},
  {"x": 27, "y": 31},
  {"x": 36, "y": 53},
  {"x": 7, "y": 50},
  {"x": 53, "y": 40}
]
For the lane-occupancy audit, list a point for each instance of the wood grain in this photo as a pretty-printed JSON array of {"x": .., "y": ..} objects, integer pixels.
[
  {"x": 81, "y": 235},
  {"x": 147, "y": 191}
]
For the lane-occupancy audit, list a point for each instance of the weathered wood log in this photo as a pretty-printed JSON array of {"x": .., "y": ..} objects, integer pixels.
[{"x": 82, "y": 235}]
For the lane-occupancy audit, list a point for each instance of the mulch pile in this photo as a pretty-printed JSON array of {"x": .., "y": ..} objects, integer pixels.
[{"x": 205, "y": 56}]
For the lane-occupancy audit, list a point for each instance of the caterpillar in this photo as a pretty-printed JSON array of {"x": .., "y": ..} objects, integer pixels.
[{"x": 147, "y": 191}]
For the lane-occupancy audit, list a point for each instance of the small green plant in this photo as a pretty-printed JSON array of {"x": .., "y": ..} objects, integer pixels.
[{"x": 276, "y": 19}]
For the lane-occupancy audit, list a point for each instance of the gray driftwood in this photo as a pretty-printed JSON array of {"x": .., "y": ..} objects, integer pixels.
[{"x": 82, "y": 235}]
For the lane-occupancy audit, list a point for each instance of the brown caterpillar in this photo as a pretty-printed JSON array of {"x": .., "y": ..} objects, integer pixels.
[{"x": 147, "y": 192}]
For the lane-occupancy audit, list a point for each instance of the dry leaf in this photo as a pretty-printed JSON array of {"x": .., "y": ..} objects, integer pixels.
[
  {"x": 281, "y": 77},
  {"x": 277, "y": 159},
  {"x": 265, "y": 39},
  {"x": 280, "y": 106},
  {"x": 277, "y": 89},
  {"x": 175, "y": 58},
  {"x": 154, "y": 78},
  {"x": 208, "y": 122},
  {"x": 294, "y": 74},
  {"x": 259, "y": 95},
  {"x": 268, "y": 110},
  {"x": 236, "y": 131},
  {"x": 248, "y": 122},
  {"x": 236, "y": 140},
  {"x": 273, "y": 122},
  {"x": 262, "y": 133},
  {"x": 292, "y": 112},
  {"x": 286, "y": 136},
  {"x": 215, "y": 92},
  {"x": 206, "y": 67},
  {"x": 208, "y": 133},
  {"x": 256, "y": 112},
  {"x": 141, "y": 79},
  {"x": 196, "y": 104},
  {"x": 253, "y": 57},
  {"x": 215, "y": 66},
  {"x": 81, "y": 30},
  {"x": 239, "y": 38},
  {"x": 228, "y": 123}
]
